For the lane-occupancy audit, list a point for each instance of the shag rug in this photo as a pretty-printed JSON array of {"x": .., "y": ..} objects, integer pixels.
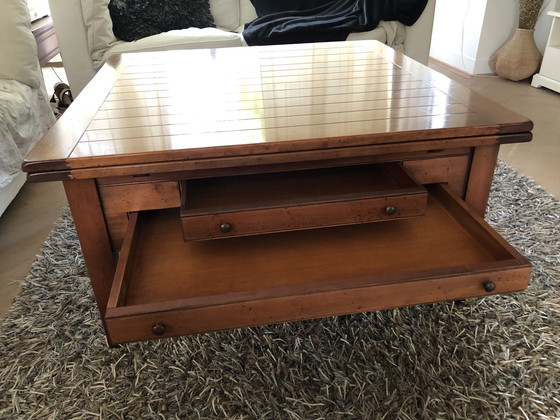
[{"x": 491, "y": 358}]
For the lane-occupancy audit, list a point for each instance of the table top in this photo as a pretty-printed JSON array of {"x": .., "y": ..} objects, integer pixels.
[{"x": 145, "y": 108}]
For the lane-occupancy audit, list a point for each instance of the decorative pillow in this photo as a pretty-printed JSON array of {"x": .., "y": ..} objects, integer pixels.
[
  {"x": 136, "y": 19},
  {"x": 19, "y": 49}
]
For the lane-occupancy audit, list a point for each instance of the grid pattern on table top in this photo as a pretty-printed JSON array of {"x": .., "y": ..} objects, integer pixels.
[{"x": 239, "y": 96}]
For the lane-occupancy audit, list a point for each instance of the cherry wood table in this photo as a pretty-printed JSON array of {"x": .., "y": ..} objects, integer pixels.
[{"x": 216, "y": 189}]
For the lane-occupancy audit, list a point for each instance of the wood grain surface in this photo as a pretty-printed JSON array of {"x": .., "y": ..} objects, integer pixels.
[
  {"x": 145, "y": 108},
  {"x": 450, "y": 253},
  {"x": 216, "y": 131}
]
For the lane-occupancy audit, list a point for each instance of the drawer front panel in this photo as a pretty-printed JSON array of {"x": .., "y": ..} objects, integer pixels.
[
  {"x": 302, "y": 217},
  {"x": 182, "y": 321},
  {"x": 277, "y": 202}
]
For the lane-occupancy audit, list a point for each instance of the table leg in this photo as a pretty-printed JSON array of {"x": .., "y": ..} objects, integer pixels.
[
  {"x": 481, "y": 174},
  {"x": 88, "y": 217}
]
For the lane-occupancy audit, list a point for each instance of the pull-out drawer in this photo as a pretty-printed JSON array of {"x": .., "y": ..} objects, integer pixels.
[
  {"x": 166, "y": 287},
  {"x": 275, "y": 202}
]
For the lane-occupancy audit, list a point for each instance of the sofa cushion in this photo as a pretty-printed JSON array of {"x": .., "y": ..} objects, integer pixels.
[
  {"x": 391, "y": 33},
  {"x": 99, "y": 27},
  {"x": 226, "y": 13},
  {"x": 100, "y": 36},
  {"x": 19, "y": 49},
  {"x": 181, "y": 39},
  {"x": 247, "y": 12},
  {"x": 133, "y": 20}
]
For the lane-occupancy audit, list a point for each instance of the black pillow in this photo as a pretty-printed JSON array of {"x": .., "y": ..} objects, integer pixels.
[{"x": 136, "y": 19}]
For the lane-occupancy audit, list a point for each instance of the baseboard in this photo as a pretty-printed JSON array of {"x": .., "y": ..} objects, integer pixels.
[{"x": 434, "y": 63}]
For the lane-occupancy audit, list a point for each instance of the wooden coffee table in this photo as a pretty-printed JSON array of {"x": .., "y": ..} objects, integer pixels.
[{"x": 216, "y": 189}]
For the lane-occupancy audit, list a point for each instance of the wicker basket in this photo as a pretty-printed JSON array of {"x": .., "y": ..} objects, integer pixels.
[{"x": 519, "y": 58}]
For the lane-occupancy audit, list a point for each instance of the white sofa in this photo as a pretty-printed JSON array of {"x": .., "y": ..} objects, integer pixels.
[
  {"x": 86, "y": 40},
  {"x": 25, "y": 113}
]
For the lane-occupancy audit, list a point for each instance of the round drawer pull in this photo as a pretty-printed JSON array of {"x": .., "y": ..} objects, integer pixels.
[
  {"x": 158, "y": 329},
  {"x": 489, "y": 286},
  {"x": 390, "y": 210},
  {"x": 225, "y": 227}
]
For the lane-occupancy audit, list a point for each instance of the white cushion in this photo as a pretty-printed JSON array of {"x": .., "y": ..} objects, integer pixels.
[
  {"x": 102, "y": 42},
  {"x": 377, "y": 34},
  {"x": 391, "y": 33},
  {"x": 19, "y": 49},
  {"x": 180, "y": 39},
  {"x": 225, "y": 13},
  {"x": 247, "y": 12},
  {"x": 99, "y": 27}
]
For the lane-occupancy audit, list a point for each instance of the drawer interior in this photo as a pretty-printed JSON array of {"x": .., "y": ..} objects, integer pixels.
[
  {"x": 158, "y": 271},
  {"x": 222, "y": 194}
]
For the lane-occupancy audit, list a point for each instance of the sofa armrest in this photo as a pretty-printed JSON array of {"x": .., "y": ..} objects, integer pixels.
[
  {"x": 72, "y": 39},
  {"x": 419, "y": 36}
]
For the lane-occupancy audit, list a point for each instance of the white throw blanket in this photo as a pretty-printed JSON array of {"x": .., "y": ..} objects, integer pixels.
[{"x": 25, "y": 115}]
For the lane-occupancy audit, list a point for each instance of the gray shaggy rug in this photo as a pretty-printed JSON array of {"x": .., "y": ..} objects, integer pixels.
[{"x": 491, "y": 358}]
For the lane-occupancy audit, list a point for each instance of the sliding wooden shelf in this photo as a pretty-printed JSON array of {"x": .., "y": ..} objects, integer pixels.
[
  {"x": 165, "y": 286},
  {"x": 244, "y": 205}
]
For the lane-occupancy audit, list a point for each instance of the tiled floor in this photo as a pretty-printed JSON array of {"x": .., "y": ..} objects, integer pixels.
[{"x": 27, "y": 222}]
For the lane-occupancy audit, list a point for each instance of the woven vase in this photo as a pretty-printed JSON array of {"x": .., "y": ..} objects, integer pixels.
[{"x": 519, "y": 58}]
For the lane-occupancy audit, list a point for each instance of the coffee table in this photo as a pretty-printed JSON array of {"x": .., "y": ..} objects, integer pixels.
[{"x": 225, "y": 188}]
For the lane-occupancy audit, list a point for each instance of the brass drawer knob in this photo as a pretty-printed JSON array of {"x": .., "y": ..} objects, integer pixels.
[
  {"x": 489, "y": 286},
  {"x": 390, "y": 210},
  {"x": 158, "y": 329},
  {"x": 225, "y": 227}
]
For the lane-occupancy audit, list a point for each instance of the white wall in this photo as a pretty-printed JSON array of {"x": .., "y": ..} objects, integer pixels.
[
  {"x": 453, "y": 41},
  {"x": 500, "y": 21},
  {"x": 467, "y": 32}
]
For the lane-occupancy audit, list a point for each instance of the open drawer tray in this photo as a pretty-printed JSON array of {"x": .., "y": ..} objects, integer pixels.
[{"x": 166, "y": 287}]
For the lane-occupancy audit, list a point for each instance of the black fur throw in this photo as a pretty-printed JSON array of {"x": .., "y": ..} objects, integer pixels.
[{"x": 135, "y": 19}]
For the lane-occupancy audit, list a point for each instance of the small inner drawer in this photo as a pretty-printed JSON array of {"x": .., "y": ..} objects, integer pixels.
[{"x": 265, "y": 203}]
